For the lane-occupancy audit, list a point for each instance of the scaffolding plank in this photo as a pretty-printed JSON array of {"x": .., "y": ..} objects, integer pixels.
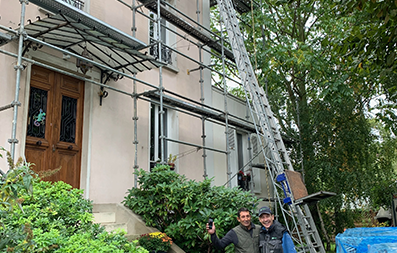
[
  {"x": 182, "y": 24},
  {"x": 242, "y": 6},
  {"x": 314, "y": 197},
  {"x": 4, "y": 38},
  {"x": 207, "y": 111}
]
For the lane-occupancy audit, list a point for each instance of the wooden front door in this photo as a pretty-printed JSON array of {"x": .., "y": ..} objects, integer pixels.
[{"x": 55, "y": 123}]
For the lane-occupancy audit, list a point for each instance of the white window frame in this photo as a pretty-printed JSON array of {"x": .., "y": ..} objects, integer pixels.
[
  {"x": 168, "y": 38},
  {"x": 171, "y": 131},
  {"x": 256, "y": 172},
  {"x": 238, "y": 145},
  {"x": 154, "y": 133}
]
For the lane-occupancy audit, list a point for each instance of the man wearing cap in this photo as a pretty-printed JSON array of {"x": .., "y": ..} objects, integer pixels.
[
  {"x": 273, "y": 237},
  {"x": 245, "y": 236}
]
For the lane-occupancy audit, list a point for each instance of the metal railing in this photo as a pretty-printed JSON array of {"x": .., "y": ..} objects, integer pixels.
[
  {"x": 79, "y": 4},
  {"x": 166, "y": 53}
]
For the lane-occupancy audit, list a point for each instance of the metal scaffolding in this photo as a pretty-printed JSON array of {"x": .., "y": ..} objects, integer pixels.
[
  {"x": 117, "y": 54},
  {"x": 129, "y": 61}
]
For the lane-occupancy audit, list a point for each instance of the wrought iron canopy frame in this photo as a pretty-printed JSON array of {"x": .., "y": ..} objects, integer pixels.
[{"x": 71, "y": 29}]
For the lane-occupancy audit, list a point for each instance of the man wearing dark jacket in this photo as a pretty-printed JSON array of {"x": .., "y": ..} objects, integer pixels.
[
  {"x": 244, "y": 236},
  {"x": 273, "y": 237}
]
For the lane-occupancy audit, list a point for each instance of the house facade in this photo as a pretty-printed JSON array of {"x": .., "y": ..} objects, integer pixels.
[{"x": 97, "y": 89}]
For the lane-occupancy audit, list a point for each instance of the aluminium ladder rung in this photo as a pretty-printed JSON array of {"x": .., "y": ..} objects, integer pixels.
[{"x": 275, "y": 155}]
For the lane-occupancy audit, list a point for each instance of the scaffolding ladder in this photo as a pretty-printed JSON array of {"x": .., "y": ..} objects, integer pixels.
[{"x": 304, "y": 231}]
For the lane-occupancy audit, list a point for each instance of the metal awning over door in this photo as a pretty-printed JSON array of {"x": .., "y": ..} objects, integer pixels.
[{"x": 74, "y": 30}]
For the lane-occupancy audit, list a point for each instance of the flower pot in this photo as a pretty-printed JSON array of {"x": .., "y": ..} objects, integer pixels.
[{"x": 172, "y": 166}]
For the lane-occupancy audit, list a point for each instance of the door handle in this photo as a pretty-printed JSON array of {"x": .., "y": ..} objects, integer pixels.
[
  {"x": 53, "y": 148},
  {"x": 70, "y": 147},
  {"x": 38, "y": 143}
]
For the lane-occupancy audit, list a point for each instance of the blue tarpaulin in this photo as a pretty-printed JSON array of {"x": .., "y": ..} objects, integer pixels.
[
  {"x": 371, "y": 240},
  {"x": 383, "y": 247}
]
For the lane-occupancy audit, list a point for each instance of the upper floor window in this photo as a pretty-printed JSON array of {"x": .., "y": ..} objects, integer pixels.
[
  {"x": 166, "y": 37},
  {"x": 79, "y": 4},
  {"x": 155, "y": 132}
]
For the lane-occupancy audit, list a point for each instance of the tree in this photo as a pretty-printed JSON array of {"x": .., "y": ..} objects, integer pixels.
[
  {"x": 371, "y": 46},
  {"x": 321, "y": 97}
]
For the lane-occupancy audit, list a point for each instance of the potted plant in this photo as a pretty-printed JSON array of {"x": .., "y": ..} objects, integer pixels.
[
  {"x": 171, "y": 161},
  {"x": 155, "y": 242}
]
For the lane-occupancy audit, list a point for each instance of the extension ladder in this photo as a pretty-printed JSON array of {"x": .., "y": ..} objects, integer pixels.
[{"x": 303, "y": 232}]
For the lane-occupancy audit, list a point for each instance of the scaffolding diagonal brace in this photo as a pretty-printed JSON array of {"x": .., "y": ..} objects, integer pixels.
[{"x": 10, "y": 106}]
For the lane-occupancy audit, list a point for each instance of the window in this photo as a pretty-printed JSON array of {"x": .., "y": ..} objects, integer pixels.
[
  {"x": 240, "y": 157},
  {"x": 79, "y": 4},
  {"x": 243, "y": 177},
  {"x": 166, "y": 37},
  {"x": 258, "y": 160},
  {"x": 155, "y": 141}
]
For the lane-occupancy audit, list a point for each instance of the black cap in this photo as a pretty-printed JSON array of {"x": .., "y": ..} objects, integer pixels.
[{"x": 263, "y": 210}]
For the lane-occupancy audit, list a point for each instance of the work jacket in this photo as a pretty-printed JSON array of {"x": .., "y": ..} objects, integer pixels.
[{"x": 244, "y": 240}]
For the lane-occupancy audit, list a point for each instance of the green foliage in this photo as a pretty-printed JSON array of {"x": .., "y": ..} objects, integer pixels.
[
  {"x": 16, "y": 180},
  {"x": 371, "y": 42},
  {"x": 322, "y": 64},
  {"x": 155, "y": 241},
  {"x": 56, "y": 218},
  {"x": 181, "y": 207}
]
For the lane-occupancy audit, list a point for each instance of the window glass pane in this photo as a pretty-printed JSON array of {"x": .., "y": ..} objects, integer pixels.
[
  {"x": 152, "y": 132},
  {"x": 155, "y": 140},
  {"x": 160, "y": 148},
  {"x": 37, "y": 112},
  {"x": 68, "y": 119},
  {"x": 240, "y": 151},
  {"x": 166, "y": 53}
]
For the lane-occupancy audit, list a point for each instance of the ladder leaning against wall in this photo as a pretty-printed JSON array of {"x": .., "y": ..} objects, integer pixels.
[{"x": 302, "y": 228}]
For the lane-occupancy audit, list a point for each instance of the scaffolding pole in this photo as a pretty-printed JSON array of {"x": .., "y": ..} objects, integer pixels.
[
  {"x": 226, "y": 112},
  {"x": 18, "y": 67},
  {"x": 135, "y": 118},
  {"x": 202, "y": 99},
  {"x": 161, "y": 88}
]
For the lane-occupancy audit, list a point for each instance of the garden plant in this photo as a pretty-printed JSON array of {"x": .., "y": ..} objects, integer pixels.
[
  {"x": 52, "y": 217},
  {"x": 181, "y": 207},
  {"x": 155, "y": 242}
]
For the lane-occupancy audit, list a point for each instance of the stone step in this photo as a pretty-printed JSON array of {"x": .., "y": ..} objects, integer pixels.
[
  {"x": 132, "y": 237},
  {"x": 125, "y": 219},
  {"x": 109, "y": 227},
  {"x": 104, "y": 217}
]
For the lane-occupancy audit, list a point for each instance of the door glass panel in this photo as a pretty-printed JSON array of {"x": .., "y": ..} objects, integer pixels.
[
  {"x": 68, "y": 119},
  {"x": 37, "y": 112}
]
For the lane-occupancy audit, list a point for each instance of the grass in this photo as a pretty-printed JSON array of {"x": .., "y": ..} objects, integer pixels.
[{"x": 333, "y": 247}]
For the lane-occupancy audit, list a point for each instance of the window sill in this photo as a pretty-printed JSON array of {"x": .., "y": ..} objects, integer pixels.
[{"x": 172, "y": 68}]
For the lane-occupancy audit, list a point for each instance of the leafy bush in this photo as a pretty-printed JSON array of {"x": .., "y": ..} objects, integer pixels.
[
  {"x": 53, "y": 217},
  {"x": 181, "y": 207},
  {"x": 18, "y": 178},
  {"x": 155, "y": 241}
]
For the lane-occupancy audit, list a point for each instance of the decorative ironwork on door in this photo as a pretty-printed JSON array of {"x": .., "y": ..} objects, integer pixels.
[
  {"x": 68, "y": 119},
  {"x": 36, "y": 114}
]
